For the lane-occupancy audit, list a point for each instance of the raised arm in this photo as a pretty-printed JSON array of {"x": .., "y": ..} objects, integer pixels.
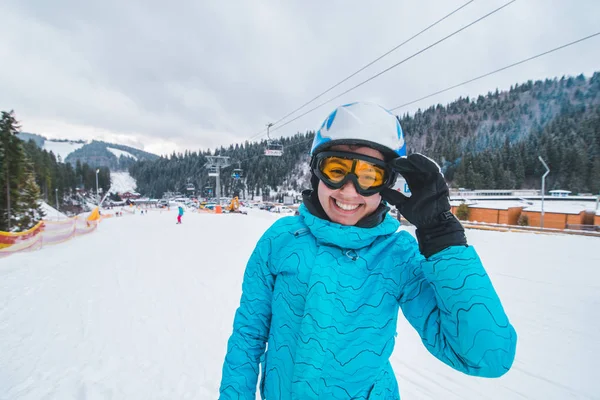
[
  {"x": 250, "y": 328},
  {"x": 451, "y": 302},
  {"x": 448, "y": 296}
]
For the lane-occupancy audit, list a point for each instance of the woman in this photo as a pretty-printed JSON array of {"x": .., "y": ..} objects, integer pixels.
[{"x": 323, "y": 289}]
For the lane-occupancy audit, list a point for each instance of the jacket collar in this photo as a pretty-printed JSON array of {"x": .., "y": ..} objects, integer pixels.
[{"x": 343, "y": 236}]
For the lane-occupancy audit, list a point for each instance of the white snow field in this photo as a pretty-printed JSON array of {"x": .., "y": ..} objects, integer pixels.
[
  {"x": 62, "y": 149},
  {"x": 51, "y": 213},
  {"x": 121, "y": 182},
  {"x": 118, "y": 153},
  {"x": 142, "y": 309}
]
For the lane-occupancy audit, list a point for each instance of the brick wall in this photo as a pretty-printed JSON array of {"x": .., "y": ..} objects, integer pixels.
[
  {"x": 551, "y": 220},
  {"x": 575, "y": 219},
  {"x": 484, "y": 215},
  {"x": 587, "y": 218},
  {"x": 503, "y": 217},
  {"x": 513, "y": 215}
]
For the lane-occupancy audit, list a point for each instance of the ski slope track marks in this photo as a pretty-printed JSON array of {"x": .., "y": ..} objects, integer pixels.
[{"x": 143, "y": 309}]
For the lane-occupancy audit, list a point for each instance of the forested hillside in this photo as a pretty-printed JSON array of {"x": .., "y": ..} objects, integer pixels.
[
  {"x": 492, "y": 141},
  {"x": 114, "y": 156},
  {"x": 261, "y": 173},
  {"x": 28, "y": 174}
]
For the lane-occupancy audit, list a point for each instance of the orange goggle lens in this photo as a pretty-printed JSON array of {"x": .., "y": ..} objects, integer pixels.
[{"x": 368, "y": 175}]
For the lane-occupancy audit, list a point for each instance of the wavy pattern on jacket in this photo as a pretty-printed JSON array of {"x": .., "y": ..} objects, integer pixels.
[{"x": 323, "y": 300}]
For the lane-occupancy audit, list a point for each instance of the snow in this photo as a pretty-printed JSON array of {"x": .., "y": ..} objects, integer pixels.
[
  {"x": 122, "y": 182},
  {"x": 142, "y": 309},
  {"x": 566, "y": 207},
  {"x": 551, "y": 206},
  {"x": 120, "y": 153},
  {"x": 495, "y": 205},
  {"x": 62, "y": 148},
  {"x": 51, "y": 212}
]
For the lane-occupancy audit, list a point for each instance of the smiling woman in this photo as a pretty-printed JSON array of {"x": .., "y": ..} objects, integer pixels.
[
  {"x": 323, "y": 289},
  {"x": 345, "y": 204}
]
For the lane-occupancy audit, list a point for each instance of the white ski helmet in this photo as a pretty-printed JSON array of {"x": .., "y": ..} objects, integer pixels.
[{"x": 361, "y": 123}]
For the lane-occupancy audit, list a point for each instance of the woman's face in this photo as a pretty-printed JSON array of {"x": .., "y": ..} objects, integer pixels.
[{"x": 345, "y": 205}]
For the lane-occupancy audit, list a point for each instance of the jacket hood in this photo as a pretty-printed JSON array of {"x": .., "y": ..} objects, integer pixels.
[{"x": 344, "y": 236}]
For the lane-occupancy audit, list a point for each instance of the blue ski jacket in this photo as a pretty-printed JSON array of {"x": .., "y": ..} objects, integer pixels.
[
  {"x": 323, "y": 300},
  {"x": 180, "y": 210}
]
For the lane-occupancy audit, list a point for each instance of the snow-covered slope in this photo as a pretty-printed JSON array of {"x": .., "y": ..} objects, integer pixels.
[
  {"x": 51, "y": 212},
  {"x": 120, "y": 153},
  {"x": 143, "y": 308},
  {"x": 62, "y": 148},
  {"x": 122, "y": 182}
]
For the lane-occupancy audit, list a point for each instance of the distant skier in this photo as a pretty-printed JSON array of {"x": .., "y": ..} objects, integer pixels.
[
  {"x": 324, "y": 289},
  {"x": 179, "y": 214}
]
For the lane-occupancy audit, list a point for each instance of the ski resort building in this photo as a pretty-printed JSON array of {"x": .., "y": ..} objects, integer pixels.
[
  {"x": 462, "y": 192},
  {"x": 582, "y": 215},
  {"x": 130, "y": 195}
]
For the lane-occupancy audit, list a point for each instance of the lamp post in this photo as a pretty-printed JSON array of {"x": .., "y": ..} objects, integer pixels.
[
  {"x": 97, "y": 197},
  {"x": 57, "y": 211},
  {"x": 543, "y": 189}
]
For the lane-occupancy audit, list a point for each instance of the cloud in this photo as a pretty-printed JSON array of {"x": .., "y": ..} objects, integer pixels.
[{"x": 197, "y": 75}]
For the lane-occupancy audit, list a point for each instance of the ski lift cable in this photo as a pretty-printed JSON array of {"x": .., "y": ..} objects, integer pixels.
[
  {"x": 460, "y": 84},
  {"x": 496, "y": 71},
  {"x": 397, "y": 64},
  {"x": 262, "y": 155},
  {"x": 486, "y": 74},
  {"x": 370, "y": 63}
]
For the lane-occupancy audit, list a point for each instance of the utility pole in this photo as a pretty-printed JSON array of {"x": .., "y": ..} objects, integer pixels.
[
  {"x": 97, "y": 195},
  {"x": 543, "y": 189}
]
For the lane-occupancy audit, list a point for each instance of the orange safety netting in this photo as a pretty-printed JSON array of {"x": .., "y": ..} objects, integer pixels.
[
  {"x": 95, "y": 215},
  {"x": 9, "y": 238},
  {"x": 49, "y": 232}
]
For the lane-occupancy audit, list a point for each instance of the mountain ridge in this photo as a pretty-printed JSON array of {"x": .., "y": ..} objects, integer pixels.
[
  {"x": 491, "y": 141},
  {"x": 95, "y": 153}
]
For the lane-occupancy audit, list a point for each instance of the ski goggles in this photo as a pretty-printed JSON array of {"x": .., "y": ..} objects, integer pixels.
[{"x": 369, "y": 175}]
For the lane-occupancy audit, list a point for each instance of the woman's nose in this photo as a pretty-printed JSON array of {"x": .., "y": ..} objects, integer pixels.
[{"x": 349, "y": 189}]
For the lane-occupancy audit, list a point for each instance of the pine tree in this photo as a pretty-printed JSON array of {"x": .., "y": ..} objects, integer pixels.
[
  {"x": 12, "y": 171},
  {"x": 29, "y": 201}
]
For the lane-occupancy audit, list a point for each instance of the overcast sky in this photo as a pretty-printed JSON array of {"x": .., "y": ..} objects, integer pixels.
[{"x": 189, "y": 74}]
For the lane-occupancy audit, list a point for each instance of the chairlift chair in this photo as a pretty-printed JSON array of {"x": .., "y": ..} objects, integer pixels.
[
  {"x": 274, "y": 149},
  {"x": 237, "y": 173}
]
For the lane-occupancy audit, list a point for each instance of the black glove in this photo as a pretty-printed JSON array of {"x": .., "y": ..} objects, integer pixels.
[{"x": 428, "y": 207}]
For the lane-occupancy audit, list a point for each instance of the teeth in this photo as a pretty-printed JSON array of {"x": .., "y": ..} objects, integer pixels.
[{"x": 347, "y": 207}]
